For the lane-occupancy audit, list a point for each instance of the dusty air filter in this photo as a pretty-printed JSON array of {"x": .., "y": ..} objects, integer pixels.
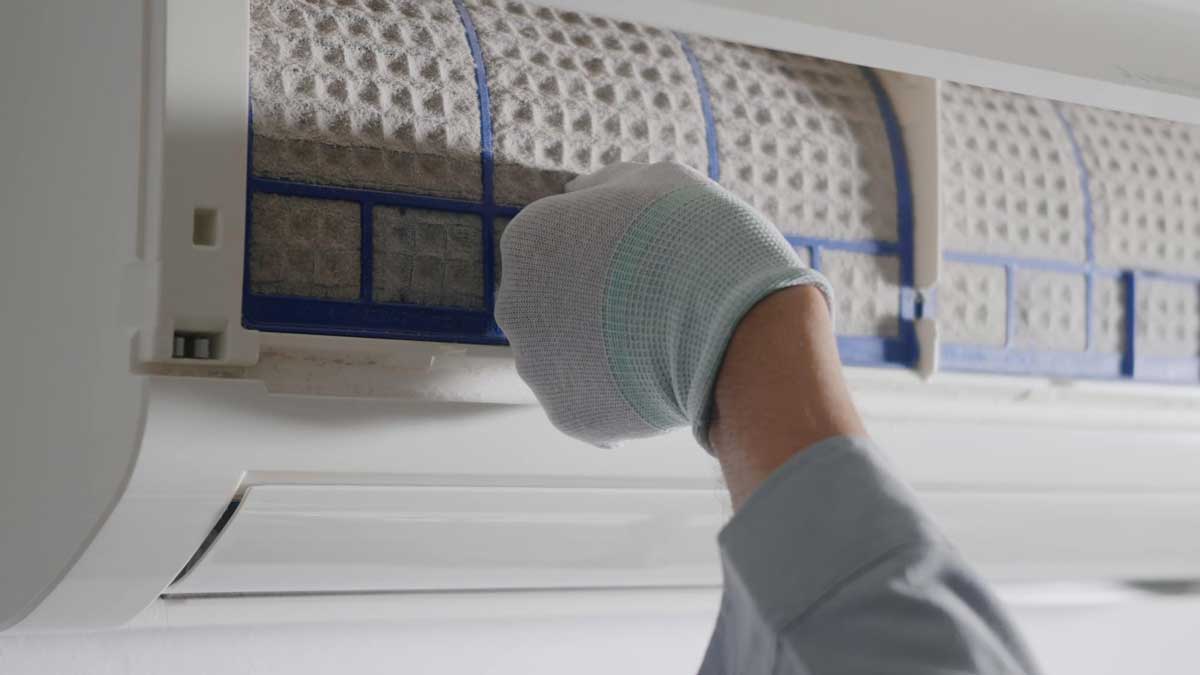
[
  {"x": 1072, "y": 239},
  {"x": 392, "y": 140}
]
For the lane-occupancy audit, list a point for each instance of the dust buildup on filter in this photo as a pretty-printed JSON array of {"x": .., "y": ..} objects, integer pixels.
[
  {"x": 1144, "y": 177},
  {"x": 1168, "y": 318},
  {"x": 377, "y": 95},
  {"x": 1051, "y": 311},
  {"x": 867, "y": 292},
  {"x": 428, "y": 257},
  {"x": 1008, "y": 180},
  {"x": 972, "y": 304},
  {"x": 802, "y": 140},
  {"x": 305, "y": 247},
  {"x": 572, "y": 93}
]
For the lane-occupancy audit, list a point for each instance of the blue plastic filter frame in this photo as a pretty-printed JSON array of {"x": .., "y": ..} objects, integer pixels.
[
  {"x": 1090, "y": 362},
  {"x": 365, "y": 317}
]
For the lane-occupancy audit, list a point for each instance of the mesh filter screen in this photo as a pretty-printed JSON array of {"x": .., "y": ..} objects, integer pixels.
[
  {"x": 571, "y": 94},
  {"x": 867, "y": 289},
  {"x": 1051, "y": 310},
  {"x": 1010, "y": 184},
  {"x": 971, "y": 301},
  {"x": 1169, "y": 318},
  {"x": 1091, "y": 220},
  {"x": 1144, "y": 177},
  {"x": 305, "y": 247},
  {"x": 392, "y": 141},
  {"x": 346, "y": 94},
  {"x": 802, "y": 140},
  {"x": 428, "y": 257},
  {"x": 444, "y": 118}
]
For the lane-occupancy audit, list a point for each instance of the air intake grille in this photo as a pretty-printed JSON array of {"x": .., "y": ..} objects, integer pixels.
[{"x": 392, "y": 140}]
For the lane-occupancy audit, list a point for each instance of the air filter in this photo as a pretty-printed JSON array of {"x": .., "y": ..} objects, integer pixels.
[
  {"x": 1073, "y": 236},
  {"x": 392, "y": 140}
]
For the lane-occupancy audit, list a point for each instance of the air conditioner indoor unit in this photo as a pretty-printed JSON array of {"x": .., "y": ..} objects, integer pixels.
[{"x": 250, "y": 259}]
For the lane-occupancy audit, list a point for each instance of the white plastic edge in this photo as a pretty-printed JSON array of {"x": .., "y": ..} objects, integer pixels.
[
  {"x": 195, "y": 149},
  {"x": 354, "y": 538},
  {"x": 71, "y": 284}
]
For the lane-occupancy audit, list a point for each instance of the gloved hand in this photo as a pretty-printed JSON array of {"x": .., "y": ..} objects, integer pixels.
[{"x": 620, "y": 296}]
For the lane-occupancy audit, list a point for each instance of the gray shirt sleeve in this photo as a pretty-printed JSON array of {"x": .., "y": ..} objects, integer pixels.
[{"x": 831, "y": 567}]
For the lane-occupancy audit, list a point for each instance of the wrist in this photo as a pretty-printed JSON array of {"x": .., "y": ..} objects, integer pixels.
[{"x": 779, "y": 388}]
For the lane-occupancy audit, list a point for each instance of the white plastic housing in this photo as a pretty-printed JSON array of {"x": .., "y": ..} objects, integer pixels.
[
  {"x": 194, "y": 149},
  {"x": 118, "y": 458}
]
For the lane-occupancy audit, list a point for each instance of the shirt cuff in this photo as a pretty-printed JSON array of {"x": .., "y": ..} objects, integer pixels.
[{"x": 829, "y": 512}]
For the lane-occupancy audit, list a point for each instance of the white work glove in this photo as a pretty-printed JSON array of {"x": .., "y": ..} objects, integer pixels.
[{"x": 620, "y": 296}]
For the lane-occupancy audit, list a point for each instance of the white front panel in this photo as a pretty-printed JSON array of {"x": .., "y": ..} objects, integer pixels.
[
  {"x": 69, "y": 281},
  {"x": 1059, "y": 535},
  {"x": 115, "y": 479},
  {"x": 341, "y": 539},
  {"x": 323, "y": 538}
]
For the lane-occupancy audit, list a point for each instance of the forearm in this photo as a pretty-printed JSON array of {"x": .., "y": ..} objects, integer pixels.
[
  {"x": 831, "y": 566},
  {"x": 648, "y": 298},
  {"x": 780, "y": 389}
]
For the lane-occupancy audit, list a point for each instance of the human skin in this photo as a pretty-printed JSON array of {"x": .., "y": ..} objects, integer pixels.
[{"x": 779, "y": 390}]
